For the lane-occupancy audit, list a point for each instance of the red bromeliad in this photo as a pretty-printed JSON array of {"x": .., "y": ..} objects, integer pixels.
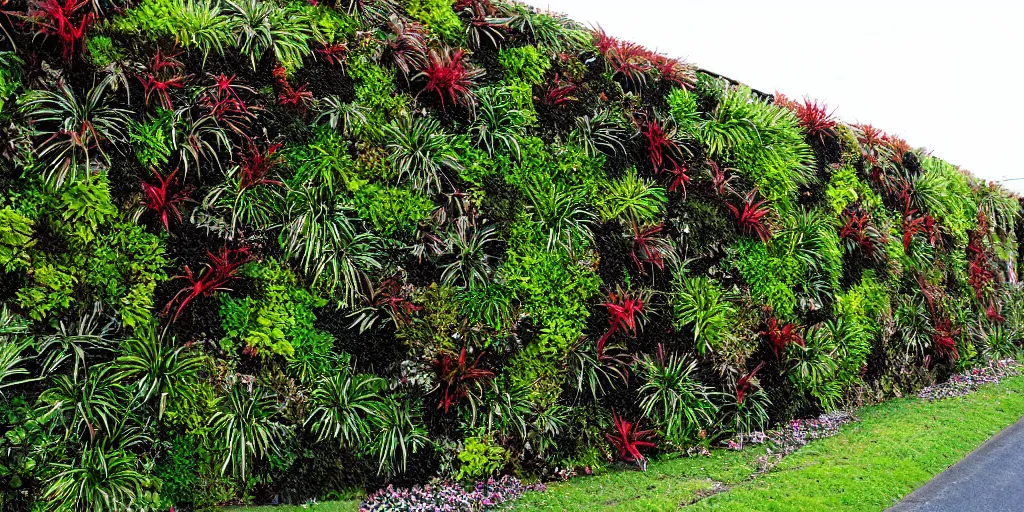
[
  {"x": 222, "y": 268},
  {"x": 628, "y": 439},
  {"x": 980, "y": 262},
  {"x": 448, "y": 76},
  {"x": 458, "y": 377},
  {"x": 752, "y": 218},
  {"x": 164, "y": 75},
  {"x": 914, "y": 224},
  {"x": 647, "y": 246},
  {"x": 781, "y": 337},
  {"x": 623, "y": 310},
  {"x": 673, "y": 71},
  {"x": 719, "y": 180},
  {"x": 680, "y": 178},
  {"x": 814, "y": 117},
  {"x": 394, "y": 294},
  {"x": 744, "y": 385},
  {"x": 333, "y": 54},
  {"x": 944, "y": 338},
  {"x": 288, "y": 95},
  {"x": 859, "y": 232},
  {"x": 559, "y": 93},
  {"x": 61, "y": 20},
  {"x": 224, "y": 102},
  {"x": 993, "y": 314},
  {"x": 256, "y": 165},
  {"x": 406, "y": 45},
  {"x": 660, "y": 145},
  {"x": 161, "y": 201},
  {"x": 943, "y": 332}
]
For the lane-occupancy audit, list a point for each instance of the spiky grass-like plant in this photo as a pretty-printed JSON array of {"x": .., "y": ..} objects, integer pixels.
[
  {"x": 78, "y": 128},
  {"x": 673, "y": 398},
  {"x": 320, "y": 233},
  {"x": 344, "y": 403},
  {"x": 471, "y": 265},
  {"x": 99, "y": 479},
  {"x": 700, "y": 303},
  {"x": 261, "y": 26},
  {"x": 599, "y": 134},
  {"x": 633, "y": 199},
  {"x": 763, "y": 141},
  {"x": 499, "y": 125},
  {"x": 397, "y": 433},
  {"x": 246, "y": 428},
  {"x": 157, "y": 370},
  {"x": 563, "y": 216},
  {"x": 341, "y": 116},
  {"x": 420, "y": 151}
]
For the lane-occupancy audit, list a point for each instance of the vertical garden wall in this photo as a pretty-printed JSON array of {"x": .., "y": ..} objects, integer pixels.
[{"x": 255, "y": 250}]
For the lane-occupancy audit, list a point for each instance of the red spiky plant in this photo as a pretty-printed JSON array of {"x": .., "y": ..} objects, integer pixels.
[
  {"x": 449, "y": 77},
  {"x": 624, "y": 309},
  {"x": 255, "y": 165},
  {"x": 164, "y": 74},
  {"x": 860, "y": 233},
  {"x": 781, "y": 337},
  {"x": 61, "y": 19},
  {"x": 630, "y": 61},
  {"x": 751, "y": 216},
  {"x": 661, "y": 145},
  {"x": 602, "y": 41},
  {"x": 992, "y": 313},
  {"x": 720, "y": 181},
  {"x": 291, "y": 96},
  {"x": 629, "y": 439},
  {"x": 943, "y": 332},
  {"x": 394, "y": 294},
  {"x": 814, "y": 117},
  {"x": 333, "y": 54},
  {"x": 980, "y": 273},
  {"x": 458, "y": 377},
  {"x": 673, "y": 71},
  {"x": 914, "y": 224},
  {"x": 558, "y": 93},
  {"x": 871, "y": 141},
  {"x": 164, "y": 203},
  {"x": 680, "y": 178},
  {"x": 222, "y": 269},
  {"x": 223, "y": 100},
  {"x": 648, "y": 246},
  {"x": 744, "y": 385}
]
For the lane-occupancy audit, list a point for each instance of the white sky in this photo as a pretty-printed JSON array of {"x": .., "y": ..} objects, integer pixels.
[{"x": 943, "y": 74}]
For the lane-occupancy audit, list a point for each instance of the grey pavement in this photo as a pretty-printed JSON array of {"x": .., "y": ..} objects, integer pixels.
[{"x": 989, "y": 479}]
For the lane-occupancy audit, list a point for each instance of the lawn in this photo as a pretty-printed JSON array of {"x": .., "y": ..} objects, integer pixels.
[{"x": 896, "y": 447}]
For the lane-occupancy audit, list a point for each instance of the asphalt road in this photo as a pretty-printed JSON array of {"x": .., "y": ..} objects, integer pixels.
[{"x": 989, "y": 479}]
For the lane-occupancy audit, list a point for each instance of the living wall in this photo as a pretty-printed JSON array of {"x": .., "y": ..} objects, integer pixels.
[{"x": 279, "y": 250}]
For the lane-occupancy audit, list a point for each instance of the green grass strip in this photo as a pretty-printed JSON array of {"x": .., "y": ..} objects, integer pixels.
[{"x": 895, "y": 448}]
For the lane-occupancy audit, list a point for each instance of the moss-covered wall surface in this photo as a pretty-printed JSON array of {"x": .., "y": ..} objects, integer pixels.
[{"x": 255, "y": 250}]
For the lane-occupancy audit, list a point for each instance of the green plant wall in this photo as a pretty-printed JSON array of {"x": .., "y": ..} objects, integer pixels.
[{"x": 264, "y": 250}]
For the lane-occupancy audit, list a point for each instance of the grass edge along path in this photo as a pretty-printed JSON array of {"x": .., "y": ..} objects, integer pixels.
[{"x": 896, "y": 447}]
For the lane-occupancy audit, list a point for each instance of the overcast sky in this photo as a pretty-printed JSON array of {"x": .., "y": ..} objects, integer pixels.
[{"x": 943, "y": 74}]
